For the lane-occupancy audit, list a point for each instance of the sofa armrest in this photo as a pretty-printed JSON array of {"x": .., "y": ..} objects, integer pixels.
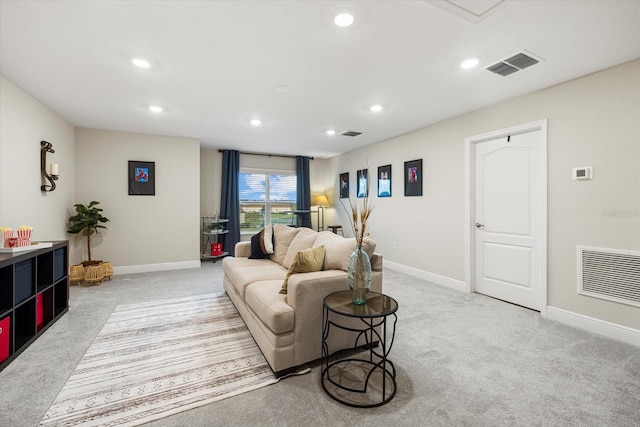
[
  {"x": 376, "y": 262},
  {"x": 243, "y": 250}
]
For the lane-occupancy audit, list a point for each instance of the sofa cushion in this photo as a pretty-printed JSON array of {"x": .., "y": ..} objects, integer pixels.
[
  {"x": 305, "y": 261},
  {"x": 243, "y": 271},
  {"x": 269, "y": 306},
  {"x": 283, "y": 235},
  {"x": 339, "y": 249},
  {"x": 303, "y": 240}
]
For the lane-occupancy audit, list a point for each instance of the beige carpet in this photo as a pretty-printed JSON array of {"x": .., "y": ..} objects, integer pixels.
[{"x": 155, "y": 359}]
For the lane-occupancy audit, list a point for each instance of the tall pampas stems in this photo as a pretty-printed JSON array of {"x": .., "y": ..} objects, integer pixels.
[{"x": 359, "y": 216}]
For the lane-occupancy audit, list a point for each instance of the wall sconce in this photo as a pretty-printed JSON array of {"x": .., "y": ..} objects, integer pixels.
[
  {"x": 52, "y": 176},
  {"x": 322, "y": 202}
]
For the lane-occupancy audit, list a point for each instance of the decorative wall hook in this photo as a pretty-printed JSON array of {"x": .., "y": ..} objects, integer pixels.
[{"x": 52, "y": 176}]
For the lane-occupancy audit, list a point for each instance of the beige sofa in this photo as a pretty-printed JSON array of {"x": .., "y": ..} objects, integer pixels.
[{"x": 288, "y": 327}]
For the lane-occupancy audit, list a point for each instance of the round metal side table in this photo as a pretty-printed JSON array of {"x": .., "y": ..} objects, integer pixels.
[{"x": 367, "y": 381}]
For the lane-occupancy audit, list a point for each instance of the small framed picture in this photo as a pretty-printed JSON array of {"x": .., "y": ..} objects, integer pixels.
[
  {"x": 413, "y": 178},
  {"x": 344, "y": 185},
  {"x": 384, "y": 181},
  {"x": 142, "y": 178},
  {"x": 363, "y": 187}
]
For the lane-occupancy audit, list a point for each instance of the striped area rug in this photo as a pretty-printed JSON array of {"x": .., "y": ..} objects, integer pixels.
[{"x": 156, "y": 359}]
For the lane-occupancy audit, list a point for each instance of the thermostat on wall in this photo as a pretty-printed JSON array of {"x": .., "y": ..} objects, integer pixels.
[{"x": 582, "y": 173}]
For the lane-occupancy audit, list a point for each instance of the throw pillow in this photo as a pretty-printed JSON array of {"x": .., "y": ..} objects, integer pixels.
[
  {"x": 305, "y": 261},
  {"x": 282, "y": 237},
  {"x": 258, "y": 250},
  {"x": 268, "y": 238}
]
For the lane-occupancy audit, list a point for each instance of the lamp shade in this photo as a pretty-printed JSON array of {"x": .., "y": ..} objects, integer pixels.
[{"x": 320, "y": 200}]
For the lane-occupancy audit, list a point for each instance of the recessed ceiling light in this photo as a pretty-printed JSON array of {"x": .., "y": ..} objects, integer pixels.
[
  {"x": 469, "y": 63},
  {"x": 155, "y": 109},
  {"x": 142, "y": 63},
  {"x": 343, "y": 19},
  {"x": 330, "y": 132},
  {"x": 376, "y": 108},
  {"x": 256, "y": 122}
]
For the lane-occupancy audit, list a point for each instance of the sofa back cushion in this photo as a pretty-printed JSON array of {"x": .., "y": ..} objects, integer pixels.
[
  {"x": 283, "y": 235},
  {"x": 303, "y": 240},
  {"x": 338, "y": 249}
]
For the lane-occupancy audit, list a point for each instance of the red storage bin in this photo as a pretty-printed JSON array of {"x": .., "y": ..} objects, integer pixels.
[
  {"x": 39, "y": 311},
  {"x": 216, "y": 249},
  {"x": 5, "y": 328}
]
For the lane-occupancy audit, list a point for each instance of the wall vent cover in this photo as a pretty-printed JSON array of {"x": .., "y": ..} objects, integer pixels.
[
  {"x": 351, "y": 133},
  {"x": 609, "y": 274},
  {"x": 514, "y": 63}
]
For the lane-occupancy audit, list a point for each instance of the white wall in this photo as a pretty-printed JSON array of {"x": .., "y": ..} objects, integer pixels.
[
  {"x": 593, "y": 121},
  {"x": 24, "y": 122},
  {"x": 144, "y": 231},
  {"x": 210, "y": 181}
]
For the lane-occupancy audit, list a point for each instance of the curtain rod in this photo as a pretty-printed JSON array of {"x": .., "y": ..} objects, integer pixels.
[{"x": 253, "y": 153}]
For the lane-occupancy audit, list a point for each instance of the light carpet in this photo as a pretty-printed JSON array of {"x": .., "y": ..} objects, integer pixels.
[{"x": 155, "y": 359}]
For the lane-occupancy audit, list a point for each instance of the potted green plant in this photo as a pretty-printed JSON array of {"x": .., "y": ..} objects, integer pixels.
[{"x": 87, "y": 220}]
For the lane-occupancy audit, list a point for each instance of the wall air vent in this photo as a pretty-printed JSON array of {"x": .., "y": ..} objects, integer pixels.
[
  {"x": 609, "y": 274},
  {"x": 351, "y": 133},
  {"x": 514, "y": 63}
]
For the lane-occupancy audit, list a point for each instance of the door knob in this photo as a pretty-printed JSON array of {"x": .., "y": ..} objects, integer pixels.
[{"x": 478, "y": 225}]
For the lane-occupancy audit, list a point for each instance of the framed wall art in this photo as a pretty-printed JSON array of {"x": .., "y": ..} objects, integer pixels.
[
  {"x": 344, "y": 185},
  {"x": 413, "y": 178},
  {"x": 363, "y": 186},
  {"x": 142, "y": 178},
  {"x": 384, "y": 181}
]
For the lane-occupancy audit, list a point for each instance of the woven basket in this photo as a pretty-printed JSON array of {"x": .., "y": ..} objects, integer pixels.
[
  {"x": 94, "y": 274},
  {"x": 107, "y": 270},
  {"x": 76, "y": 274}
]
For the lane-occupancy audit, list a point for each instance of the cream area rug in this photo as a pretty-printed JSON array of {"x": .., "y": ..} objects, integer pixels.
[{"x": 155, "y": 359}]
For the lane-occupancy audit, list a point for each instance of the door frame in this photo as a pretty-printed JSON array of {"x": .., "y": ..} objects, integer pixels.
[{"x": 469, "y": 166}]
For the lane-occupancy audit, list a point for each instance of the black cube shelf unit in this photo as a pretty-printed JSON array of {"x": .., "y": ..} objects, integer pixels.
[{"x": 34, "y": 294}]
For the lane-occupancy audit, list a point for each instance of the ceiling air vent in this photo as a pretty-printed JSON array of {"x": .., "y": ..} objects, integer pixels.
[
  {"x": 514, "y": 63},
  {"x": 502, "y": 69},
  {"x": 521, "y": 61},
  {"x": 351, "y": 133}
]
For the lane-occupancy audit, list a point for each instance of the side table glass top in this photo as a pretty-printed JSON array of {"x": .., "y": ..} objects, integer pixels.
[{"x": 377, "y": 305}]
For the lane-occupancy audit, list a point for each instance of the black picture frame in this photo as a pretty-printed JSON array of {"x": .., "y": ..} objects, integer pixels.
[
  {"x": 344, "y": 185},
  {"x": 362, "y": 175},
  {"x": 142, "y": 178},
  {"x": 384, "y": 181},
  {"x": 413, "y": 178}
]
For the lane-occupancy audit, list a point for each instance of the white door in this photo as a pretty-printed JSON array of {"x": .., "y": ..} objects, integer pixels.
[{"x": 508, "y": 218}]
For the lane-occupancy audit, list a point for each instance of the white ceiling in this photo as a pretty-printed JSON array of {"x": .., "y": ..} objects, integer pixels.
[{"x": 217, "y": 64}]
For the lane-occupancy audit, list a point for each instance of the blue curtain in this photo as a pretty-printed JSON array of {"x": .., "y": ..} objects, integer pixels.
[
  {"x": 229, "y": 201},
  {"x": 303, "y": 191}
]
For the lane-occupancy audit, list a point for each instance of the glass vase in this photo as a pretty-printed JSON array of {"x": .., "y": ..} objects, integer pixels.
[{"x": 359, "y": 276}]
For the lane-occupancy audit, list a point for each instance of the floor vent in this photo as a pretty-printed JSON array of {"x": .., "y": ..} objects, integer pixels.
[
  {"x": 351, "y": 133},
  {"x": 514, "y": 63},
  {"x": 609, "y": 274}
]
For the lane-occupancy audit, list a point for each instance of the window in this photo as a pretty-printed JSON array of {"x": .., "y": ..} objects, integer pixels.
[{"x": 266, "y": 198}]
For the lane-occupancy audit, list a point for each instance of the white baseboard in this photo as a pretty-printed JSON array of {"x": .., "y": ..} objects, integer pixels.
[
  {"x": 429, "y": 277},
  {"x": 148, "y": 268},
  {"x": 597, "y": 326}
]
